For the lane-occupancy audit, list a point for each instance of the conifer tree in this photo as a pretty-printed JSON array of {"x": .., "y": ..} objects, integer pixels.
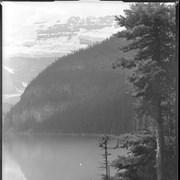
[{"x": 151, "y": 30}]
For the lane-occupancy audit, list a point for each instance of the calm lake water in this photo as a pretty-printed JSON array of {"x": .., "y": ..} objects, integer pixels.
[{"x": 53, "y": 157}]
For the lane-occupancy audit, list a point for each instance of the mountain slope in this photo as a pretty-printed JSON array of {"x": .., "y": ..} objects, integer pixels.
[
  {"x": 17, "y": 72},
  {"x": 78, "y": 93},
  {"x": 42, "y": 42}
]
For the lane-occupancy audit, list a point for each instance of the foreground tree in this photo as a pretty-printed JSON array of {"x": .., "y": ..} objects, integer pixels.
[
  {"x": 103, "y": 144},
  {"x": 151, "y": 29},
  {"x": 140, "y": 161}
]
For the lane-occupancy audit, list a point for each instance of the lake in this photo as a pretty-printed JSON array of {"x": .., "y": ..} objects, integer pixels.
[{"x": 53, "y": 157}]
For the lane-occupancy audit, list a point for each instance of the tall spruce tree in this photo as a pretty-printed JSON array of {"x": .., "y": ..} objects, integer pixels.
[{"x": 151, "y": 30}]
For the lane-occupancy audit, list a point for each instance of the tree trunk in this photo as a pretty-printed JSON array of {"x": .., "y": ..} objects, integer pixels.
[
  {"x": 176, "y": 135},
  {"x": 160, "y": 152},
  {"x": 106, "y": 162},
  {"x": 160, "y": 145}
]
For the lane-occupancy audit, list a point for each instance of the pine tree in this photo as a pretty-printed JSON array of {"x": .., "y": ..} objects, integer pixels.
[{"x": 151, "y": 30}]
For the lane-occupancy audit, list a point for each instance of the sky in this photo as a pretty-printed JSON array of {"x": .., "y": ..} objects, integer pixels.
[{"x": 22, "y": 20}]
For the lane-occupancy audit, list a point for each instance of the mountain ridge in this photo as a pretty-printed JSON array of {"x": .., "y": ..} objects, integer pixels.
[{"x": 84, "y": 78}]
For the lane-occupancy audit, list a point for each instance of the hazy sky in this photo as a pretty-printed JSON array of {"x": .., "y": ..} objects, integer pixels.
[{"x": 20, "y": 27}]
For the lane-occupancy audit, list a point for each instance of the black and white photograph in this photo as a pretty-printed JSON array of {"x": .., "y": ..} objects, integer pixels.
[{"x": 89, "y": 90}]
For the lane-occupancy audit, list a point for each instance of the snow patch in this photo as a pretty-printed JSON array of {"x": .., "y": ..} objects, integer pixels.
[
  {"x": 19, "y": 90},
  {"x": 10, "y": 70},
  {"x": 24, "y": 84},
  {"x": 6, "y": 96}
]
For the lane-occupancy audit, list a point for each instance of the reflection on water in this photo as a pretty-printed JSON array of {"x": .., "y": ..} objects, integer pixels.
[
  {"x": 11, "y": 170},
  {"x": 48, "y": 157}
]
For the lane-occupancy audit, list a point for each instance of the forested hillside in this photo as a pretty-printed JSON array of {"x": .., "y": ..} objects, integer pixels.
[{"x": 78, "y": 93}]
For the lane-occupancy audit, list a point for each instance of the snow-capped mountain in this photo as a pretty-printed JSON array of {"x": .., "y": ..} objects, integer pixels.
[{"x": 42, "y": 42}]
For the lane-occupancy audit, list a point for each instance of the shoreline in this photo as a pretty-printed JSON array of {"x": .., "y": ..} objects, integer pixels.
[{"x": 61, "y": 134}]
